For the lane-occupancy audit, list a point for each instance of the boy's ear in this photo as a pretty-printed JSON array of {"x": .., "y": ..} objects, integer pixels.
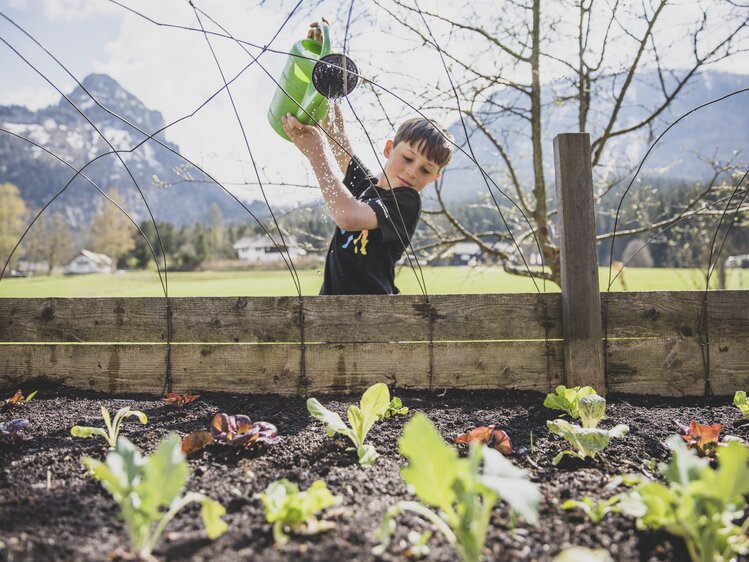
[{"x": 388, "y": 148}]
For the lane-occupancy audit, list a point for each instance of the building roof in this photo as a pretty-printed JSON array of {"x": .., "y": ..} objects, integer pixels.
[
  {"x": 98, "y": 259},
  {"x": 261, "y": 242}
]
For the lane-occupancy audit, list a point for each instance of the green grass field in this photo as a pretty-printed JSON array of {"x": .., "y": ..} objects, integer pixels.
[{"x": 438, "y": 280}]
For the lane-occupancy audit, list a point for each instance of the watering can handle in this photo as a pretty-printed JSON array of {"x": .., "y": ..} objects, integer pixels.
[{"x": 313, "y": 98}]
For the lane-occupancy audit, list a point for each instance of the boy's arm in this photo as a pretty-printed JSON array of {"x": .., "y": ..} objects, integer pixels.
[
  {"x": 338, "y": 142},
  {"x": 347, "y": 212}
]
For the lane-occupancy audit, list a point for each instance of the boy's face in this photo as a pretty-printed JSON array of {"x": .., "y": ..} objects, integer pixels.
[{"x": 407, "y": 167}]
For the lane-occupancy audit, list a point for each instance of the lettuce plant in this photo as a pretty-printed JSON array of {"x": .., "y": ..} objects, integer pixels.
[
  {"x": 236, "y": 431},
  {"x": 292, "y": 510},
  {"x": 374, "y": 403},
  {"x": 179, "y": 400},
  {"x": 395, "y": 408},
  {"x": 11, "y": 432},
  {"x": 149, "y": 491},
  {"x": 487, "y": 435},
  {"x": 595, "y": 510},
  {"x": 567, "y": 399},
  {"x": 18, "y": 399},
  {"x": 587, "y": 442},
  {"x": 113, "y": 426},
  {"x": 461, "y": 490},
  {"x": 703, "y": 438},
  {"x": 741, "y": 402},
  {"x": 697, "y": 503}
]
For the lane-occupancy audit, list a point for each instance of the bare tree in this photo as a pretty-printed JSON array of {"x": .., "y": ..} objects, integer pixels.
[{"x": 504, "y": 60}]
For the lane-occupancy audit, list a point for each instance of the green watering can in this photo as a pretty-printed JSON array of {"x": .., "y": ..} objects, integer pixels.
[{"x": 311, "y": 75}]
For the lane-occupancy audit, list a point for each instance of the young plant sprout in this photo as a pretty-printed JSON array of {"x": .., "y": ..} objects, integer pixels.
[
  {"x": 11, "y": 432},
  {"x": 697, "y": 503},
  {"x": 595, "y": 510},
  {"x": 395, "y": 408},
  {"x": 587, "y": 441},
  {"x": 18, "y": 399},
  {"x": 149, "y": 491},
  {"x": 741, "y": 402},
  {"x": 179, "y": 400},
  {"x": 236, "y": 431},
  {"x": 487, "y": 435},
  {"x": 567, "y": 399},
  {"x": 112, "y": 430},
  {"x": 374, "y": 403},
  {"x": 294, "y": 511},
  {"x": 463, "y": 491}
]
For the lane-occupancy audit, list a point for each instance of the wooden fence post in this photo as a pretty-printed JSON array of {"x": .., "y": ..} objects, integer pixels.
[{"x": 581, "y": 298}]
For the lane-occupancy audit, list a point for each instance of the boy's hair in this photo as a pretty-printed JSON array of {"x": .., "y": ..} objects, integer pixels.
[{"x": 428, "y": 137}]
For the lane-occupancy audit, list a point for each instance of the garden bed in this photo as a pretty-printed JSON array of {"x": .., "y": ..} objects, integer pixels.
[{"x": 51, "y": 510}]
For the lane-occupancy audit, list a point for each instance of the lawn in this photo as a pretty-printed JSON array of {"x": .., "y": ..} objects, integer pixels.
[{"x": 438, "y": 280}]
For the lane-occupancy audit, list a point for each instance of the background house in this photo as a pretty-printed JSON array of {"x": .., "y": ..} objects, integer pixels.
[
  {"x": 89, "y": 262},
  {"x": 260, "y": 249}
]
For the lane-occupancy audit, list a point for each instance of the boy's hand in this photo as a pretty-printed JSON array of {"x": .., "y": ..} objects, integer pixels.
[
  {"x": 308, "y": 139},
  {"x": 316, "y": 33}
]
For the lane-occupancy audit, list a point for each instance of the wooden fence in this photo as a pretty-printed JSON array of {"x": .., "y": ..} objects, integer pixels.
[{"x": 664, "y": 343}]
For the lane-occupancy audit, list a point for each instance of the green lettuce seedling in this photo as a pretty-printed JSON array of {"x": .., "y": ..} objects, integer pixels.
[
  {"x": 586, "y": 441},
  {"x": 741, "y": 402},
  {"x": 395, "y": 408},
  {"x": 567, "y": 399},
  {"x": 697, "y": 503},
  {"x": 112, "y": 430},
  {"x": 595, "y": 510},
  {"x": 374, "y": 403},
  {"x": 462, "y": 491},
  {"x": 288, "y": 508},
  {"x": 149, "y": 491}
]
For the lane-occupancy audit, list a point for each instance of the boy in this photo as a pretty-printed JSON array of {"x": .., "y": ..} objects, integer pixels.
[{"x": 375, "y": 216}]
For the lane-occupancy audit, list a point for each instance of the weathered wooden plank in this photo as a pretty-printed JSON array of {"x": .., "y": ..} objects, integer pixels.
[
  {"x": 666, "y": 367},
  {"x": 675, "y": 314},
  {"x": 729, "y": 366},
  {"x": 383, "y": 318},
  {"x": 581, "y": 299},
  {"x": 205, "y": 319},
  {"x": 248, "y": 368},
  {"x": 498, "y": 365},
  {"x": 104, "y": 368},
  {"x": 370, "y": 318}
]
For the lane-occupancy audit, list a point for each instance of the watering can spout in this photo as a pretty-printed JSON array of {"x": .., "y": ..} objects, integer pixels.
[{"x": 311, "y": 75}]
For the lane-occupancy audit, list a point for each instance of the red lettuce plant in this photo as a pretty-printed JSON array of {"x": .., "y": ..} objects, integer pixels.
[
  {"x": 237, "y": 431},
  {"x": 180, "y": 400},
  {"x": 487, "y": 435},
  {"x": 703, "y": 438},
  {"x": 18, "y": 399},
  {"x": 11, "y": 433}
]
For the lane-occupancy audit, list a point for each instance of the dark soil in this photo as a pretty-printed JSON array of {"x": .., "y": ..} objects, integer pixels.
[{"x": 75, "y": 519}]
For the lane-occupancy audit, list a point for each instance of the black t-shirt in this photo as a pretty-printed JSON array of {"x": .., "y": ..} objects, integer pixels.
[{"x": 363, "y": 263}]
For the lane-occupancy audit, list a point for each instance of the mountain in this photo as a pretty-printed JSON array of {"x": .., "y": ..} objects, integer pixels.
[
  {"x": 718, "y": 131},
  {"x": 64, "y": 131}
]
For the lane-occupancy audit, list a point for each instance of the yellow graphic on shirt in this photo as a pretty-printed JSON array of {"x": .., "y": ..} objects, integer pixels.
[{"x": 360, "y": 242}]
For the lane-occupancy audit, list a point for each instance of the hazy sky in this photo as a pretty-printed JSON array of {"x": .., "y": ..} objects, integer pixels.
[{"x": 172, "y": 70}]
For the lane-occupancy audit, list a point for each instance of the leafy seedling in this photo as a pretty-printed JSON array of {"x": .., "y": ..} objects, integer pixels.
[
  {"x": 395, "y": 408},
  {"x": 149, "y": 491},
  {"x": 567, "y": 399},
  {"x": 703, "y": 438},
  {"x": 741, "y": 402},
  {"x": 594, "y": 510},
  {"x": 583, "y": 554},
  {"x": 294, "y": 511},
  {"x": 113, "y": 426},
  {"x": 697, "y": 503},
  {"x": 18, "y": 399},
  {"x": 11, "y": 432},
  {"x": 456, "y": 495},
  {"x": 374, "y": 403},
  {"x": 489, "y": 436},
  {"x": 236, "y": 431},
  {"x": 179, "y": 400},
  {"x": 587, "y": 442}
]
